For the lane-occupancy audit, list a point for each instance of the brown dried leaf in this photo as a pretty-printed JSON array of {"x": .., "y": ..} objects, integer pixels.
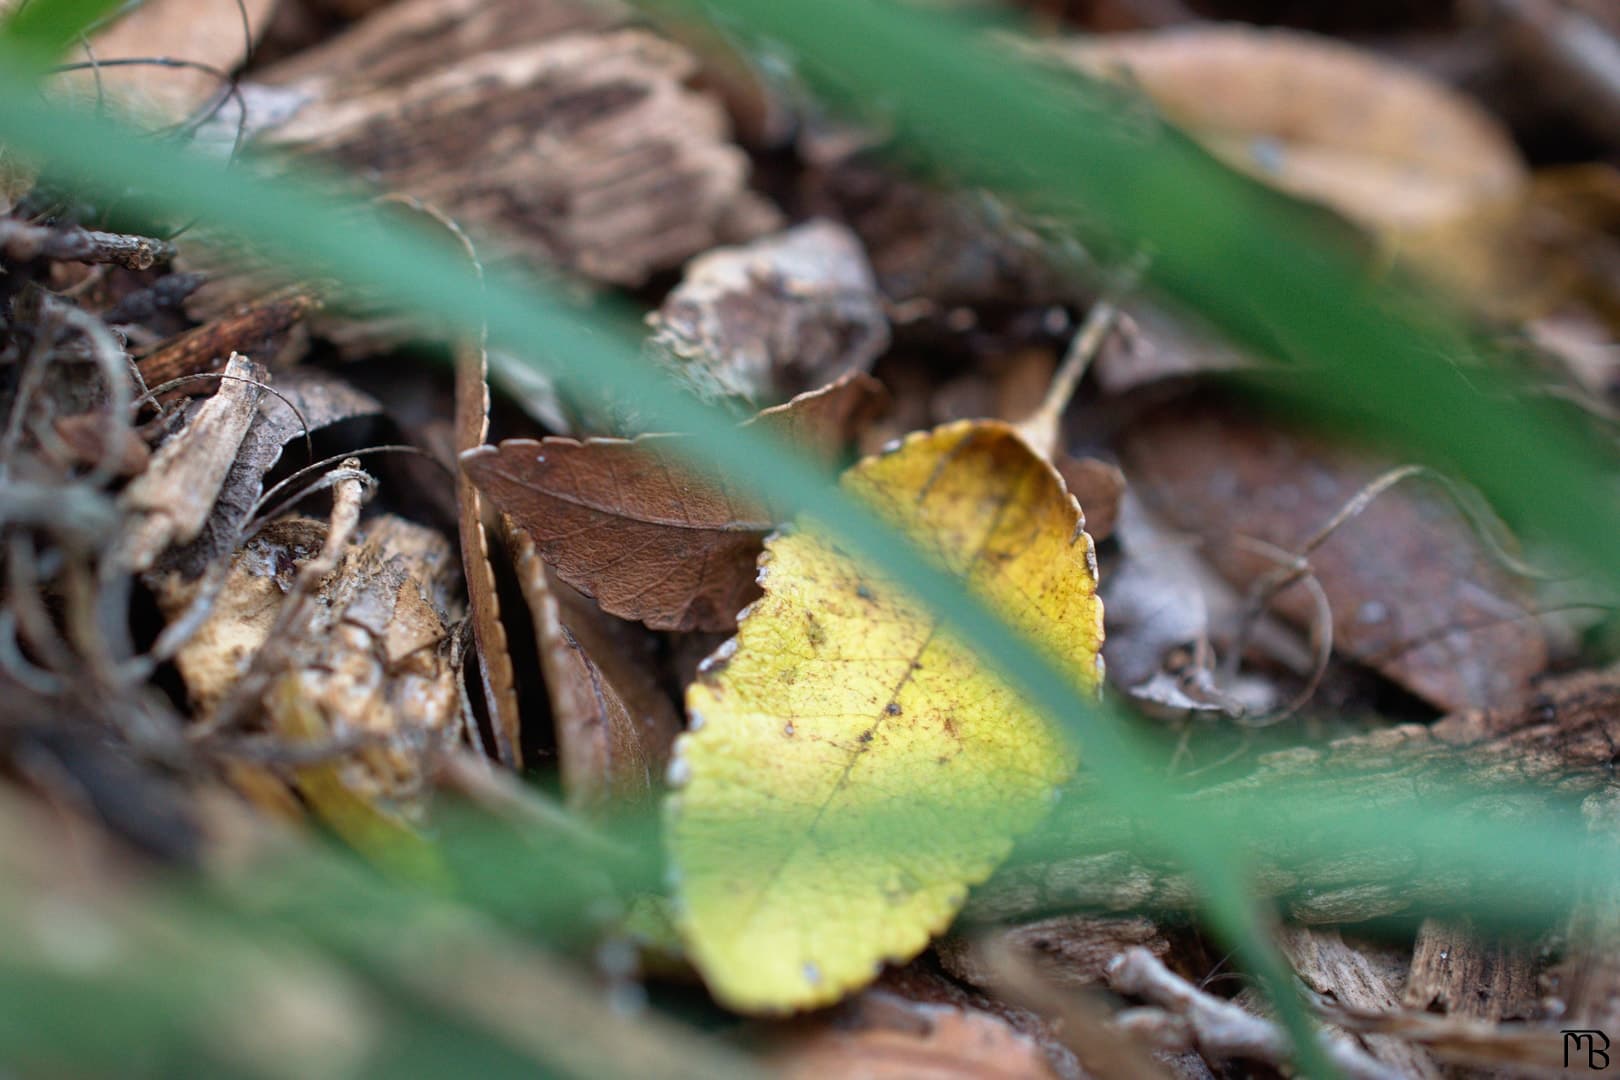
[
  {"x": 1098, "y": 486},
  {"x": 1380, "y": 142},
  {"x": 614, "y": 723},
  {"x": 625, "y": 523},
  {"x": 1066, "y": 950},
  {"x": 1412, "y": 589},
  {"x": 879, "y": 1036}
]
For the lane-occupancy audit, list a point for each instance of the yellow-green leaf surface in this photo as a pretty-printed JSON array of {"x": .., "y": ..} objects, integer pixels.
[{"x": 851, "y": 768}]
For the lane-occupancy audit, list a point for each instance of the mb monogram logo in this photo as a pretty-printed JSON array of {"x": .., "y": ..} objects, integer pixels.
[{"x": 1590, "y": 1048}]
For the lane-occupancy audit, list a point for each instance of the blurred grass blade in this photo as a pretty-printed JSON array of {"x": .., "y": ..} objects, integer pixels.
[{"x": 38, "y": 32}]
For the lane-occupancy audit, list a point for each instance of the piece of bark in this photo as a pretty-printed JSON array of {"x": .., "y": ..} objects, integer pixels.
[
  {"x": 392, "y": 46},
  {"x": 1414, "y": 592},
  {"x": 545, "y": 136},
  {"x": 1068, "y": 951},
  {"x": 1459, "y": 971},
  {"x": 614, "y": 724},
  {"x": 303, "y": 396},
  {"x": 784, "y": 314},
  {"x": 172, "y": 500},
  {"x": 1343, "y": 973},
  {"x": 629, "y": 524},
  {"x": 1511, "y": 761}
]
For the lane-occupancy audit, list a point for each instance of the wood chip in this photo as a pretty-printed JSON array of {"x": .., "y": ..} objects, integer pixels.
[
  {"x": 785, "y": 314},
  {"x": 171, "y": 502}
]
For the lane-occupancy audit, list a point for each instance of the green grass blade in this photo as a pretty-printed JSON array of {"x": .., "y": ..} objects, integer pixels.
[{"x": 41, "y": 30}]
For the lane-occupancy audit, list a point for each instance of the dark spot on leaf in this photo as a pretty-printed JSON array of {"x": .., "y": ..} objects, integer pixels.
[
  {"x": 866, "y": 736},
  {"x": 892, "y": 708}
]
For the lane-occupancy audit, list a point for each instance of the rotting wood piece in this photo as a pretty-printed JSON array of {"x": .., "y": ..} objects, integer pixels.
[
  {"x": 1346, "y": 974},
  {"x": 1584, "y": 988},
  {"x": 1458, "y": 971},
  {"x": 1514, "y": 762}
]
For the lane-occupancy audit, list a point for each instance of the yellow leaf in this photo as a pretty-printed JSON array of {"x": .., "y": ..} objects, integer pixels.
[{"x": 851, "y": 768}]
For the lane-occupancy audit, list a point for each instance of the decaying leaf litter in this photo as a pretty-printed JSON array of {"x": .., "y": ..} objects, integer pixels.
[{"x": 281, "y": 570}]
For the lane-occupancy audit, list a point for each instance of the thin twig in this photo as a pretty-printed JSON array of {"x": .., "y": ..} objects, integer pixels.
[
  {"x": 22, "y": 242},
  {"x": 1188, "y": 1019}
]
